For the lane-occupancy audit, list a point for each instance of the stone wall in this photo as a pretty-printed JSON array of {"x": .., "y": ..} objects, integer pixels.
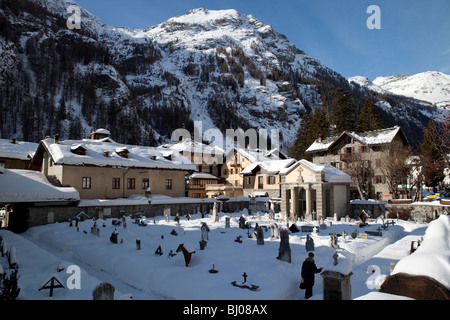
[
  {"x": 43, "y": 215},
  {"x": 418, "y": 211}
]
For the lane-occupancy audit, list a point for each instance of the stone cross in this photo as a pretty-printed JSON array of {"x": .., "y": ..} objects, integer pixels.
[
  {"x": 335, "y": 257},
  {"x": 334, "y": 240}
]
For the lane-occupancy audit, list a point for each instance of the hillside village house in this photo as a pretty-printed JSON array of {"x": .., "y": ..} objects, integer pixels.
[
  {"x": 104, "y": 169},
  {"x": 208, "y": 160},
  {"x": 263, "y": 178},
  {"x": 16, "y": 154},
  {"x": 238, "y": 159},
  {"x": 367, "y": 147},
  {"x": 311, "y": 191}
]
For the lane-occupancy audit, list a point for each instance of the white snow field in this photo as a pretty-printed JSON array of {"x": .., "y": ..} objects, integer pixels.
[{"x": 148, "y": 276}]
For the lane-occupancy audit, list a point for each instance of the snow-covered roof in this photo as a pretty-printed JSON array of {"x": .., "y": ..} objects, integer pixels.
[
  {"x": 432, "y": 257},
  {"x": 270, "y": 166},
  {"x": 257, "y": 155},
  {"x": 106, "y": 154},
  {"x": 332, "y": 174},
  {"x": 31, "y": 186},
  {"x": 368, "y": 138},
  {"x": 192, "y": 146},
  {"x": 19, "y": 150},
  {"x": 202, "y": 175}
]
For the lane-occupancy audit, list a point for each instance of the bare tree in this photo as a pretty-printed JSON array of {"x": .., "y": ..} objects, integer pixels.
[
  {"x": 361, "y": 172},
  {"x": 395, "y": 165}
]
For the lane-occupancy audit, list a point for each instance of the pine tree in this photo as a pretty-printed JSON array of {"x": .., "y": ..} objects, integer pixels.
[
  {"x": 342, "y": 113},
  {"x": 368, "y": 119},
  {"x": 312, "y": 126}
]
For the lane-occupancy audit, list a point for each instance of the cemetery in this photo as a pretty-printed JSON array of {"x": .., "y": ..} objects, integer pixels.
[{"x": 238, "y": 256}]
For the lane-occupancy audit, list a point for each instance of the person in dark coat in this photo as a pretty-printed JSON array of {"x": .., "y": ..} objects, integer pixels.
[{"x": 309, "y": 270}]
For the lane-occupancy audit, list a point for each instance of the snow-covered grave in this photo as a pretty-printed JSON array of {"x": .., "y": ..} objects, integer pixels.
[{"x": 41, "y": 251}]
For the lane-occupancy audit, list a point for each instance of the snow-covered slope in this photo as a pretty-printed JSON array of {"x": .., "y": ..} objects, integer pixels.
[
  {"x": 431, "y": 86},
  {"x": 220, "y": 67}
]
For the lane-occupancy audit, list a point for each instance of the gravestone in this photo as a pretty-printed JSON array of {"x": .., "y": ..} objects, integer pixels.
[
  {"x": 227, "y": 222},
  {"x": 274, "y": 231},
  {"x": 271, "y": 215},
  {"x": 138, "y": 244},
  {"x": 113, "y": 237},
  {"x": 293, "y": 228},
  {"x": 205, "y": 231},
  {"x": 335, "y": 217},
  {"x": 242, "y": 222},
  {"x": 260, "y": 236},
  {"x": 307, "y": 228},
  {"x": 334, "y": 240},
  {"x": 215, "y": 216},
  {"x": 203, "y": 244},
  {"x": 177, "y": 218},
  {"x": 354, "y": 234},
  {"x": 336, "y": 286},
  {"x": 167, "y": 214},
  {"x": 238, "y": 239},
  {"x": 284, "y": 252},
  {"x": 309, "y": 245},
  {"x": 104, "y": 291},
  {"x": 315, "y": 232}
]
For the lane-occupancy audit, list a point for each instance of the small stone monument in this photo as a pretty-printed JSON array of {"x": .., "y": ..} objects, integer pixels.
[
  {"x": 138, "y": 244},
  {"x": 309, "y": 245},
  {"x": 177, "y": 218},
  {"x": 274, "y": 231},
  {"x": 205, "y": 231},
  {"x": 260, "y": 236},
  {"x": 167, "y": 214},
  {"x": 113, "y": 237},
  {"x": 334, "y": 241},
  {"x": 227, "y": 222},
  {"x": 242, "y": 222},
  {"x": 215, "y": 216},
  {"x": 284, "y": 252},
  {"x": 203, "y": 244}
]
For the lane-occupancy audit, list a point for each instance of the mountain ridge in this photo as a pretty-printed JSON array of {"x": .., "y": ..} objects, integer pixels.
[{"x": 220, "y": 67}]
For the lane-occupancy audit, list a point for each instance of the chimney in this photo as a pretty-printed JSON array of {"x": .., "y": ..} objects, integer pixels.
[
  {"x": 320, "y": 138},
  {"x": 13, "y": 141},
  {"x": 56, "y": 138}
]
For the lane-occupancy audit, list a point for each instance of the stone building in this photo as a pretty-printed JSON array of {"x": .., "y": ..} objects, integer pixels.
[
  {"x": 311, "y": 191},
  {"x": 350, "y": 148}
]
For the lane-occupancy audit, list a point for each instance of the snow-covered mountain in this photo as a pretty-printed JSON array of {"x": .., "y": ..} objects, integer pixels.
[
  {"x": 223, "y": 68},
  {"x": 431, "y": 86}
]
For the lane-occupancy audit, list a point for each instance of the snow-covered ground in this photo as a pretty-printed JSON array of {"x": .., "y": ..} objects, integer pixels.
[{"x": 147, "y": 276}]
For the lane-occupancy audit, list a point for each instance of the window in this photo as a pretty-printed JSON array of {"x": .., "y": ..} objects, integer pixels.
[
  {"x": 260, "y": 182},
  {"x": 271, "y": 180},
  {"x": 131, "y": 183},
  {"x": 145, "y": 183},
  {"x": 116, "y": 183},
  {"x": 377, "y": 163},
  {"x": 86, "y": 183},
  {"x": 168, "y": 184}
]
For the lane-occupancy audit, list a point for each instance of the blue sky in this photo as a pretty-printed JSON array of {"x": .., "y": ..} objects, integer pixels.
[{"x": 414, "y": 35}]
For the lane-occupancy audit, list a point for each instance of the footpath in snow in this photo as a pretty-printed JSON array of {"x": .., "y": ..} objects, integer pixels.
[{"x": 147, "y": 275}]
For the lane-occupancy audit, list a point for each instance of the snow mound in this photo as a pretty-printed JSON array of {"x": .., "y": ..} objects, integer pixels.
[{"x": 432, "y": 258}]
